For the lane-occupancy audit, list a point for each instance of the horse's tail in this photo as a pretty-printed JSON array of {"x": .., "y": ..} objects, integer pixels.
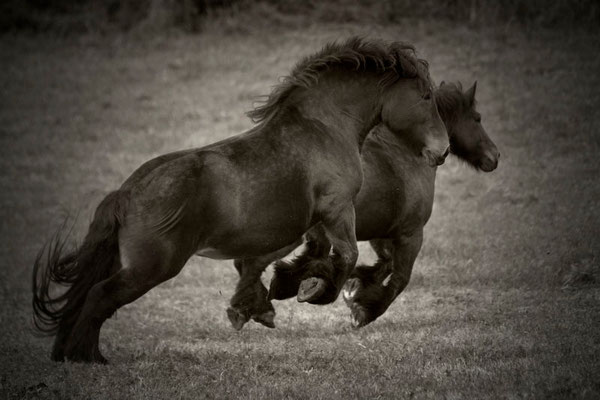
[{"x": 78, "y": 270}]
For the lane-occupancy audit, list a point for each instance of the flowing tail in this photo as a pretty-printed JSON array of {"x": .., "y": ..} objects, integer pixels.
[{"x": 79, "y": 270}]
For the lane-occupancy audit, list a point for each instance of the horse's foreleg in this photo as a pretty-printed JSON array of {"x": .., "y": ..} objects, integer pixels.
[
  {"x": 250, "y": 299},
  {"x": 384, "y": 250},
  {"x": 246, "y": 294},
  {"x": 365, "y": 275},
  {"x": 287, "y": 275},
  {"x": 370, "y": 291},
  {"x": 324, "y": 278}
]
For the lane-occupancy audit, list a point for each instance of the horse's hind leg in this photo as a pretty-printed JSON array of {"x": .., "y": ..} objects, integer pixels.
[
  {"x": 250, "y": 298},
  {"x": 246, "y": 299},
  {"x": 60, "y": 341},
  {"x": 324, "y": 278},
  {"x": 139, "y": 274}
]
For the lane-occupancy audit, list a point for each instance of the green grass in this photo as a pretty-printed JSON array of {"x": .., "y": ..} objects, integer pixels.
[{"x": 505, "y": 297}]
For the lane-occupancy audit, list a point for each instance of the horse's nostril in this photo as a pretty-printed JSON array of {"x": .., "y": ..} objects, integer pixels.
[
  {"x": 488, "y": 164},
  {"x": 446, "y": 152}
]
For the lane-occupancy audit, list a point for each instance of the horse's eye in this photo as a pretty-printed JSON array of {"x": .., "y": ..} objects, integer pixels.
[
  {"x": 427, "y": 96},
  {"x": 478, "y": 118}
]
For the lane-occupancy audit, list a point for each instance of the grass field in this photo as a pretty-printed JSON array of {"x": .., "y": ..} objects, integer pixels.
[{"x": 505, "y": 297}]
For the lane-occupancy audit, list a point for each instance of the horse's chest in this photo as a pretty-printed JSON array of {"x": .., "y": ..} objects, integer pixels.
[{"x": 415, "y": 203}]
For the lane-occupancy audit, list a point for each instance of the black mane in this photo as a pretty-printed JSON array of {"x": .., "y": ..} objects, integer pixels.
[
  {"x": 452, "y": 102},
  {"x": 393, "y": 61}
]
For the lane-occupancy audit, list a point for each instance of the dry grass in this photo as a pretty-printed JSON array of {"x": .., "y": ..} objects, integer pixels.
[{"x": 505, "y": 296}]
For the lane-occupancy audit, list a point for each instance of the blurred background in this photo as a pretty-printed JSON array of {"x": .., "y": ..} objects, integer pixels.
[
  {"x": 85, "y": 16},
  {"x": 505, "y": 295}
]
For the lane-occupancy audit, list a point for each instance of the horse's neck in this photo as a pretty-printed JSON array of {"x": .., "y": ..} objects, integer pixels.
[
  {"x": 348, "y": 108},
  {"x": 383, "y": 137},
  {"x": 394, "y": 149}
]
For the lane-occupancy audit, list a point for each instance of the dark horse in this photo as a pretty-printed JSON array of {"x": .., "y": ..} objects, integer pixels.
[
  {"x": 392, "y": 208},
  {"x": 244, "y": 196}
]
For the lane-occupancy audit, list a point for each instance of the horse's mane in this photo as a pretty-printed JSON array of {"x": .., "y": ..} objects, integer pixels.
[
  {"x": 451, "y": 101},
  {"x": 393, "y": 61}
]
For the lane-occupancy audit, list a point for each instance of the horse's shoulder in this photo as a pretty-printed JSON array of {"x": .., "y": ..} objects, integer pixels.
[{"x": 407, "y": 178}]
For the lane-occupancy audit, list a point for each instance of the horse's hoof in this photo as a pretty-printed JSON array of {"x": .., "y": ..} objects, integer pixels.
[
  {"x": 265, "y": 319},
  {"x": 311, "y": 289},
  {"x": 358, "y": 317},
  {"x": 237, "y": 319}
]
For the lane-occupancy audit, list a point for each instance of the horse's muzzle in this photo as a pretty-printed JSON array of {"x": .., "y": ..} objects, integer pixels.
[{"x": 489, "y": 161}]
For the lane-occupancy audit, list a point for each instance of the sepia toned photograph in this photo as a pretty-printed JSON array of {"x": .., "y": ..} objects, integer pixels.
[{"x": 300, "y": 199}]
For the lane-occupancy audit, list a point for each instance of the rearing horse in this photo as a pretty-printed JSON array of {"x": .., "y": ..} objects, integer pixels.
[
  {"x": 244, "y": 196},
  {"x": 392, "y": 207}
]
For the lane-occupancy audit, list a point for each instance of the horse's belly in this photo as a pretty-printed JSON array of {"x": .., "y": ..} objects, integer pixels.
[
  {"x": 251, "y": 241},
  {"x": 213, "y": 253}
]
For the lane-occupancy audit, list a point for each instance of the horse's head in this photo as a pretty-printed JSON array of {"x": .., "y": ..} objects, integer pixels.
[
  {"x": 409, "y": 109},
  {"x": 468, "y": 139}
]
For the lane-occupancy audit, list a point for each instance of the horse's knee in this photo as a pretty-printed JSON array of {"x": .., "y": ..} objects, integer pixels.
[{"x": 350, "y": 257}]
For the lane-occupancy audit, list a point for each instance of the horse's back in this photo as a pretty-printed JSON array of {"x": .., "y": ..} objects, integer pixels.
[{"x": 210, "y": 201}]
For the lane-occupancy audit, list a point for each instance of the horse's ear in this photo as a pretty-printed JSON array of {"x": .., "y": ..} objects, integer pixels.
[
  {"x": 443, "y": 83},
  {"x": 471, "y": 93}
]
